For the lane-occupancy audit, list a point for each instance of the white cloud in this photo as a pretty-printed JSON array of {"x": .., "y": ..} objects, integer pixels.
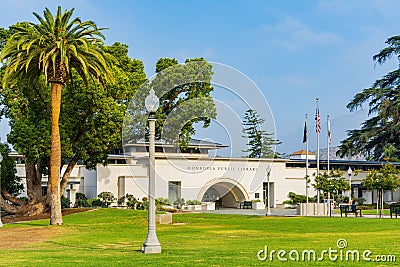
[
  {"x": 293, "y": 34},
  {"x": 386, "y": 8}
]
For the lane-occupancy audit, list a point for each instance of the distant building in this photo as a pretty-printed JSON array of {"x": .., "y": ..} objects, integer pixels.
[{"x": 302, "y": 154}]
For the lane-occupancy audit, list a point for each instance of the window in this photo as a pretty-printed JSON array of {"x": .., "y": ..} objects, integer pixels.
[{"x": 174, "y": 191}]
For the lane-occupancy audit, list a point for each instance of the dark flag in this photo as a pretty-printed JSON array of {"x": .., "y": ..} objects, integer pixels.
[{"x": 305, "y": 134}]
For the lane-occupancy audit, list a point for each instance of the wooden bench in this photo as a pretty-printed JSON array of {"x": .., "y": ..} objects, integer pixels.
[
  {"x": 246, "y": 205},
  {"x": 394, "y": 209},
  {"x": 346, "y": 209}
]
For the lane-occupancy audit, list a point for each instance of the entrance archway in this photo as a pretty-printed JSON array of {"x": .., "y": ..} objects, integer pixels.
[{"x": 230, "y": 192}]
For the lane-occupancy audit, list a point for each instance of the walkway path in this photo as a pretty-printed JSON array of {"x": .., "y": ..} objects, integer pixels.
[
  {"x": 277, "y": 212},
  {"x": 263, "y": 212}
]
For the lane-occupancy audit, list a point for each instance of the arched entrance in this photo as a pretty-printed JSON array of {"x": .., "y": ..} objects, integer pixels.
[{"x": 230, "y": 192}]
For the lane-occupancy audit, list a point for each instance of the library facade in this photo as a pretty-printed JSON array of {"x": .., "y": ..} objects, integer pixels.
[{"x": 195, "y": 175}]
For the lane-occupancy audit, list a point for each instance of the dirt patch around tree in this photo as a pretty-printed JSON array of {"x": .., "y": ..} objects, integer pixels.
[
  {"x": 14, "y": 219},
  {"x": 12, "y": 238},
  {"x": 19, "y": 237}
]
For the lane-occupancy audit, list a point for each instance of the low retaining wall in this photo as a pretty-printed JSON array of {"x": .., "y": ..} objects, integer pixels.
[{"x": 313, "y": 209}]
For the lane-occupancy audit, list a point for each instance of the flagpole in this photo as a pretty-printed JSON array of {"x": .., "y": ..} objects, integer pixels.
[
  {"x": 329, "y": 139},
  {"x": 329, "y": 142},
  {"x": 318, "y": 118},
  {"x": 306, "y": 136}
]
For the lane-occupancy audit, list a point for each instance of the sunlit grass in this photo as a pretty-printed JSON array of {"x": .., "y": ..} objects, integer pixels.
[{"x": 111, "y": 237}]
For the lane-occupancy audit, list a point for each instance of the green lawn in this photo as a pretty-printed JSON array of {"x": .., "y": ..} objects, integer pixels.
[
  {"x": 373, "y": 212},
  {"x": 112, "y": 237}
]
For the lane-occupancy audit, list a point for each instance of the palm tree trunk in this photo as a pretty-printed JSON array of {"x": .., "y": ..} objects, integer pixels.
[{"x": 55, "y": 156}]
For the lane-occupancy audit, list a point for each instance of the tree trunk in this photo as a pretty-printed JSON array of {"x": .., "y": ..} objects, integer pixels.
[
  {"x": 55, "y": 156},
  {"x": 379, "y": 202},
  {"x": 68, "y": 171},
  {"x": 382, "y": 202},
  {"x": 11, "y": 198},
  {"x": 28, "y": 209},
  {"x": 33, "y": 183},
  {"x": 36, "y": 203}
]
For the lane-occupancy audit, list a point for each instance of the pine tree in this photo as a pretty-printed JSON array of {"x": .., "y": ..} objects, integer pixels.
[{"x": 260, "y": 142}]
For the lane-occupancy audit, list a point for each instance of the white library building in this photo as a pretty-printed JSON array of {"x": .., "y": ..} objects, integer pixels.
[{"x": 194, "y": 174}]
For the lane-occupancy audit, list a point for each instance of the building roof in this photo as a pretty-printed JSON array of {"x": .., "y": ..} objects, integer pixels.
[
  {"x": 192, "y": 143},
  {"x": 301, "y": 152}
]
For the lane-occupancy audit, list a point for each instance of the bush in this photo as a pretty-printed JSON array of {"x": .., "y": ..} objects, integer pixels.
[
  {"x": 179, "y": 203},
  {"x": 287, "y": 201},
  {"x": 163, "y": 201},
  {"x": 81, "y": 200},
  {"x": 168, "y": 209},
  {"x": 121, "y": 201},
  {"x": 359, "y": 201},
  {"x": 142, "y": 205},
  {"x": 65, "y": 202},
  {"x": 94, "y": 202},
  {"x": 106, "y": 198},
  {"x": 296, "y": 198},
  {"x": 193, "y": 202}
]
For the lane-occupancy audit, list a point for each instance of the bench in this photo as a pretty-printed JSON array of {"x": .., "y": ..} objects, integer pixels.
[
  {"x": 346, "y": 209},
  {"x": 394, "y": 209},
  {"x": 246, "y": 205}
]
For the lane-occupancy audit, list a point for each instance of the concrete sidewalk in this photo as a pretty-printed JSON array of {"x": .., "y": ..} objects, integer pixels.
[
  {"x": 262, "y": 212},
  {"x": 282, "y": 212}
]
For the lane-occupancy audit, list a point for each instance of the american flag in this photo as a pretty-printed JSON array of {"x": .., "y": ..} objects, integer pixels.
[{"x": 318, "y": 121}]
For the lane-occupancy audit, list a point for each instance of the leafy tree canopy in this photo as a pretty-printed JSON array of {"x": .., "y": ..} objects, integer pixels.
[
  {"x": 382, "y": 129},
  {"x": 332, "y": 182},
  {"x": 184, "y": 91}
]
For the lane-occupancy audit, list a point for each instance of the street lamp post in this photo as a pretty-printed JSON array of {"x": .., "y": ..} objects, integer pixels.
[
  {"x": 268, "y": 195},
  {"x": 151, "y": 245},
  {"x": 350, "y": 172},
  {"x": 1, "y": 159}
]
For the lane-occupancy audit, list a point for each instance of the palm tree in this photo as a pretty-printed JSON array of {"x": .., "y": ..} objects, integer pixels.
[{"x": 53, "y": 47}]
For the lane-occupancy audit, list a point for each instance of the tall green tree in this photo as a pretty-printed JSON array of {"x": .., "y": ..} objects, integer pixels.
[
  {"x": 184, "y": 91},
  {"x": 386, "y": 178},
  {"x": 260, "y": 142},
  {"x": 186, "y": 102},
  {"x": 55, "y": 46},
  {"x": 382, "y": 129}
]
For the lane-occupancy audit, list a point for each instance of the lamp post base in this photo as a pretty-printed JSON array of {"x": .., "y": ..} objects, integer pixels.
[{"x": 151, "y": 249}]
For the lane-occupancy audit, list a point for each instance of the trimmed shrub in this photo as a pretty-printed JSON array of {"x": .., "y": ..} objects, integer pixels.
[
  {"x": 65, "y": 202},
  {"x": 81, "y": 200},
  {"x": 193, "y": 202},
  {"x": 94, "y": 202},
  {"x": 106, "y": 198}
]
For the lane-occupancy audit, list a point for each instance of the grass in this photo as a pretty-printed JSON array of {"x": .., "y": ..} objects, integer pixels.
[
  {"x": 368, "y": 212},
  {"x": 112, "y": 237},
  {"x": 373, "y": 212}
]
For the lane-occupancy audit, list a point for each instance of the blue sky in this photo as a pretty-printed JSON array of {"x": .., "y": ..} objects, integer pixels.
[{"x": 294, "y": 51}]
